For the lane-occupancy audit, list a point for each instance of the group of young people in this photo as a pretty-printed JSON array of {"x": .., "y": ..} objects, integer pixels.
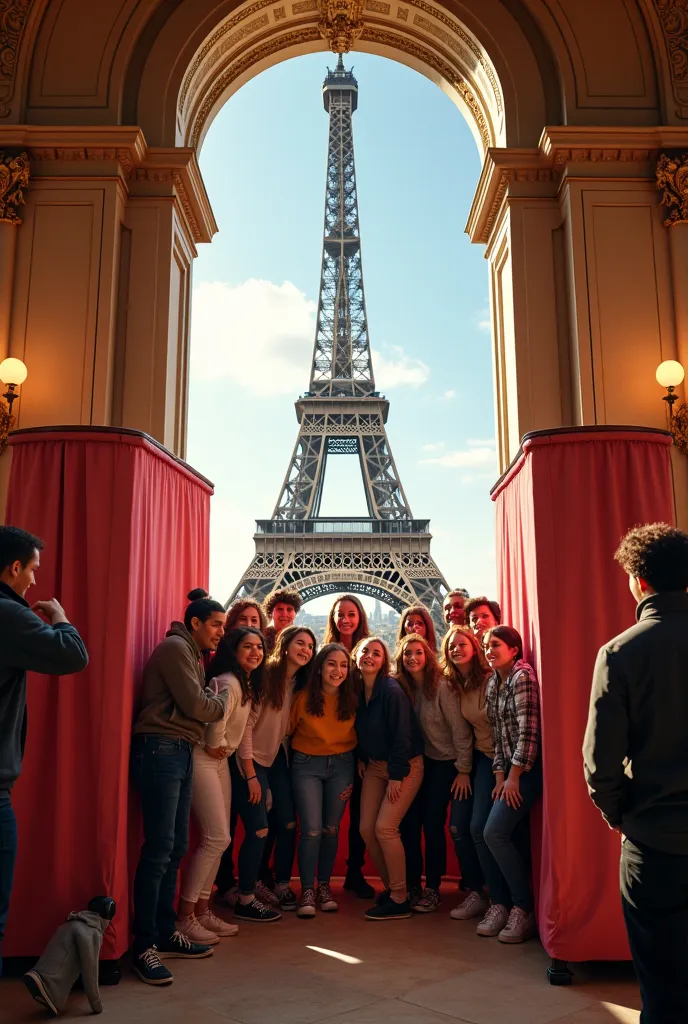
[{"x": 243, "y": 717}]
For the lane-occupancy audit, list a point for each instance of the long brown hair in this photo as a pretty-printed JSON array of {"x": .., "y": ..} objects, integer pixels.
[
  {"x": 347, "y": 693},
  {"x": 225, "y": 660},
  {"x": 235, "y": 610},
  {"x": 479, "y": 669},
  {"x": 431, "y": 672},
  {"x": 332, "y": 632},
  {"x": 418, "y": 609},
  {"x": 275, "y": 675},
  {"x": 508, "y": 635},
  {"x": 386, "y": 665}
]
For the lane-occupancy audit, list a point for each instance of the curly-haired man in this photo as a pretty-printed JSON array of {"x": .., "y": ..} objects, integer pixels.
[
  {"x": 281, "y": 608},
  {"x": 636, "y": 763}
]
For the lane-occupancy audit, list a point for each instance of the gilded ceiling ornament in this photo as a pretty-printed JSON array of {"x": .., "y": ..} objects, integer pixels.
[
  {"x": 14, "y": 178},
  {"x": 13, "y": 15},
  {"x": 672, "y": 178},
  {"x": 341, "y": 23},
  {"x": 673, "y": 15}
]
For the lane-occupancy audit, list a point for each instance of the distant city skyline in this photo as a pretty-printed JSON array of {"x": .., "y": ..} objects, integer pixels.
[{"x": 426, "y": 288}]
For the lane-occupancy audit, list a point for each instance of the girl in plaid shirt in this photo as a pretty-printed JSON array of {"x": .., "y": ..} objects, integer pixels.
[{"x": 513, "y": 709}]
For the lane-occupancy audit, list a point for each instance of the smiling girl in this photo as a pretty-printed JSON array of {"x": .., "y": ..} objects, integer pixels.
[
  {"x": 265, "y": 776},
  {"x": 513, "y": 708},
  {"x": 323, "y": 742},
  {"x": 448, "y": 740},
  {"x": 390, "y": 747},
  {"x": 237, "y": 668},
  {"x": 417, "y": 619},
  {"x": 347, "y": 624}
]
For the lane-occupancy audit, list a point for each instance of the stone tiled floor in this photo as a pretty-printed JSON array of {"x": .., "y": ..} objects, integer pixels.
[{"x": 427, "y": 970}]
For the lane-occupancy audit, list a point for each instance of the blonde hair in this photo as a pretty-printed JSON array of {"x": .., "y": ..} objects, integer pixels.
[
  {"x": 431, "y": 672},
  {"x": 479, "y": 669}
]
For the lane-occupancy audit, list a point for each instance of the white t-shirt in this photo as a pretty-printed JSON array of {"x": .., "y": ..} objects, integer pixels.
[{"x": 230, "y": 729}]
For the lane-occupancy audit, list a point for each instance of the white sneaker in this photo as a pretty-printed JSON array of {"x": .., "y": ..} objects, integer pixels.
[
  {"x": 493, "y": 922},
  {"x": 475, "y": 905},
  {"x": 194, "y": 931},
  {"x": 212, "y": 923}
]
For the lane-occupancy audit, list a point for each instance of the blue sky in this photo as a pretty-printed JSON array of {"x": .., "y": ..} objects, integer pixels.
[{"x": 255, "y": 295}]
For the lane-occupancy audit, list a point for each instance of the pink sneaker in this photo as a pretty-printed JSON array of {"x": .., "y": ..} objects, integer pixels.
[
  {"x": 493, "y": 922},
  {"x": 192, "y": 929},
  {"x": 475, "y": 905},
  {"x": 212, "y": 923},
  {"x": 519, "y": 927}
]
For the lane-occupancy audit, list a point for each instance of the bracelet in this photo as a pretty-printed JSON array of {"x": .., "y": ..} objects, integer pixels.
[{"x": 252, "y": 778}]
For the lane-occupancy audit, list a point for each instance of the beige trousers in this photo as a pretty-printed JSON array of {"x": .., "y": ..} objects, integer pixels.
[{"x": 380, "y": 820}]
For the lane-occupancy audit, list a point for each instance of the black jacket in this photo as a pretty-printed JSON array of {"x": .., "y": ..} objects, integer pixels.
[
  {"x": 636, "y": 742},
  {"x": 27, "y": 644},
  {"x": 388, "y": 729}
]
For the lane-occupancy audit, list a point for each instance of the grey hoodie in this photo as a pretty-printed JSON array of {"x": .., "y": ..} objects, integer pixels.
[{"x": 73, "y": 950}]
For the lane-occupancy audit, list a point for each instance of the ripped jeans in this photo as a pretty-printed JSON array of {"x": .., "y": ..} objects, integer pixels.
[
  {"x": 319, "y": 781},
  {"x": 276, "y": 792}
]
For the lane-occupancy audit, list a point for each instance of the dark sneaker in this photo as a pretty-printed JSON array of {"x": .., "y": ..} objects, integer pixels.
[
  {"x": 356, "y": 883},
  {"x": 287, "y": 899},
  {"x": 150, "y": 969},
  {"x": 37, "y": 989},
  {"x": 178, "y": 947},
  {"x": 382, "y": 897},
  {"x": 256, "y": 911},
  {"x": 415, "y": 894},
  {"x": 429, "y": 901},
  {"x": 267, "y": 896},
  {"x": 326, "y": 900},
  {"x": 389, "y": 911},
  {"x": 306, "y": 907}
]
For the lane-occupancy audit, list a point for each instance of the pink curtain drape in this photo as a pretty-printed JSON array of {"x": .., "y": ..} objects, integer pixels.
[
  {"x": 125, "y": 526},
  {"x": 561, "y": 510}
]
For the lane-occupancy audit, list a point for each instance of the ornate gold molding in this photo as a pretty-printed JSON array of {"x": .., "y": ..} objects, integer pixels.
[
  {"x": 341, "y": 23},
  {"x": 673, "y": 16},
  {"x": 14, "y": 178},
  {"x": 672, "y": 178},
  {"x": 13, "y": 15}
]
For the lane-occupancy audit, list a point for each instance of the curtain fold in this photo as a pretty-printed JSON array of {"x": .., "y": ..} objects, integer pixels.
[
  {"x": 126, "y": 533},
  {"x": 560, "y": 514}
]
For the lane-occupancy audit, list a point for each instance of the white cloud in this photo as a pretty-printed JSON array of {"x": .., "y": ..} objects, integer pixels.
[
  {"x": 398, "y": 369},
  {"x": 448, "y": 395},
  {"x": 474, "y": 442},
  {"x": 473, "y": 457},
  {"x": 258, "y": 334},
  {"x": 433, "y": 446},
  {"x": 481, "y": 319}
]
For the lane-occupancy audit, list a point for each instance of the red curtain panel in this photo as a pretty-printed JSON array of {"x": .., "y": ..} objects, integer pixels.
[
  {"x": 125, "y": 526},
  {"x": 561, "y": 510}
]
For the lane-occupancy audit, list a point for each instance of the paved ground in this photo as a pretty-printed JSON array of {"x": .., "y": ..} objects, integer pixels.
[{"x": 427, "y": 970}]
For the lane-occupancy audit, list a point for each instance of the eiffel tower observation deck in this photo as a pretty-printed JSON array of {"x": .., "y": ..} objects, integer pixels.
[{"x": 385, "y": 555}]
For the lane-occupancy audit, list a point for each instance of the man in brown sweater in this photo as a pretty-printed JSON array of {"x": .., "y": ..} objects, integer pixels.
[{"x": 175, "y": 706}]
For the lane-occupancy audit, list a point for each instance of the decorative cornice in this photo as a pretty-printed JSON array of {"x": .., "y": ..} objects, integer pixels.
[
  {"x": 672, "y": 179},
  {"x": 13, "y": 16},
  {"x": 14, "y": 178},
  {"x": 341, "y": 23},
  {"x": 673, "y": 17}
]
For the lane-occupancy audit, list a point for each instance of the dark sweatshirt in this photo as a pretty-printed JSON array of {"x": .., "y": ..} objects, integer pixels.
[
  {"x": 174, "y": 698},
  {"x": 27, "y": 644},
  {"x": 388, "y": 729},
  {"x": 636, "y": 742}
]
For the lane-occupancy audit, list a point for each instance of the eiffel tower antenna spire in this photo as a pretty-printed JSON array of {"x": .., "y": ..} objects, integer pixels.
[{"x": 385, "y": 555}]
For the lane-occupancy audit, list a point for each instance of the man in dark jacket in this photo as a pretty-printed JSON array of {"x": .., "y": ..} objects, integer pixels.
[
  {"x": 27, "y": 644},
  {"x": 636, "y": 764}
]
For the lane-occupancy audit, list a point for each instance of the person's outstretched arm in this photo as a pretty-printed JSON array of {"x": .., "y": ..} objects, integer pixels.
[{"x": 30, "y": 643}]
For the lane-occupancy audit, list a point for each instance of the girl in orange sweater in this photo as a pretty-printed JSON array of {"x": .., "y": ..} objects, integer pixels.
[{"x": 323, "y": 742}]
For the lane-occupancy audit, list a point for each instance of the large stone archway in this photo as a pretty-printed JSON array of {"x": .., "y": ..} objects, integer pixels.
[{"x": 112, "y": 102}]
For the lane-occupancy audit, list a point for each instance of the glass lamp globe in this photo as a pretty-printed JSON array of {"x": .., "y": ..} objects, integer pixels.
[
  {"x": 669, "y": 373},
  {"x": 12, "y": 371}
]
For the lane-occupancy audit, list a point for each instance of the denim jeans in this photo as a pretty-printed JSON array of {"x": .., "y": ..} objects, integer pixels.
[
  {"x": 162, "y": 772},
  {"x": 654, "y": 896},
  {"x": 499, "y": 836},
  {"x": 357, "y": 848},
  {"x": 275, "y": 783},
  {"x": 427, "y": 815},
  {"x": 319, "y": 782},
  {"x": 467, "y": 822},
  {"x": 8, "y": 856}
]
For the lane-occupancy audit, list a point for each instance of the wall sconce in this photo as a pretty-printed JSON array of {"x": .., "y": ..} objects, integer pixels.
[
  {"x": 670, "y": 374},
  {"x": 13, "y": 373}
]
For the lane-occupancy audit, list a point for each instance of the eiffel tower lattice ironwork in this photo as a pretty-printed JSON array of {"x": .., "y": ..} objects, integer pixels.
[{"x": 386, "y": 555}]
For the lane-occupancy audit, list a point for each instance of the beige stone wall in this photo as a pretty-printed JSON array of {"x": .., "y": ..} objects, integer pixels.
[{"x": 570, "y": 103}]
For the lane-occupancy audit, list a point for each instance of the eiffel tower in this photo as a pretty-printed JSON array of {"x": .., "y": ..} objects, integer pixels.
[{"x": 387, "y": 554}]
